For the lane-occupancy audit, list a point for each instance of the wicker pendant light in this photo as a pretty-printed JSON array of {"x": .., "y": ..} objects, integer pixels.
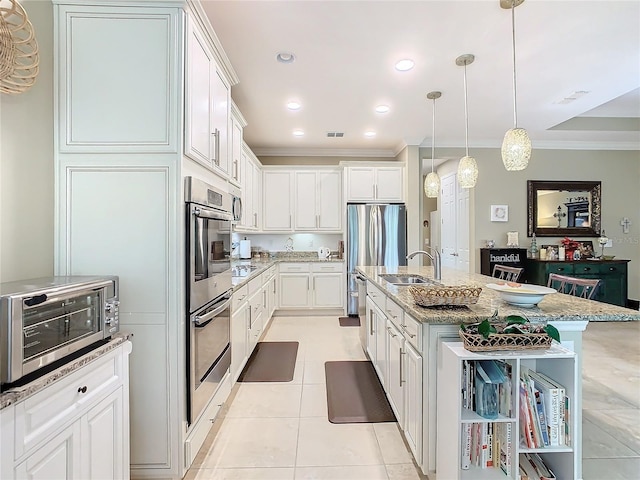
[
  {"x": 467, "y": 167},
  {"x": 516, "y": 146},
  {"x": 432, "y": 180},
  {"x": 18, "y": 49}
]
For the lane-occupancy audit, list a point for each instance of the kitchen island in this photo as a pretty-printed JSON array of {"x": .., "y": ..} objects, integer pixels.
[{"x": 403, "y": 340}]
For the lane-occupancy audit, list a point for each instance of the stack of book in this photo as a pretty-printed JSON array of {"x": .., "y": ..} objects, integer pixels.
[
  {"x": 487, "y": 445},
  {"x": 544, "y": 411}
]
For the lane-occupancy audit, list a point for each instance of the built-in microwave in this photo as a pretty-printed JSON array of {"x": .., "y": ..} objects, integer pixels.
[{"x": 44, "y": 321}]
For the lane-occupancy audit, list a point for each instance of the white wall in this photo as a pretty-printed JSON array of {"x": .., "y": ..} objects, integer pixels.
[{"x": 26, "y": 164}]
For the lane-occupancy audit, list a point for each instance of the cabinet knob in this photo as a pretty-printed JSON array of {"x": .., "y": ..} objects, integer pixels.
[{"x": 82, "y": 389}]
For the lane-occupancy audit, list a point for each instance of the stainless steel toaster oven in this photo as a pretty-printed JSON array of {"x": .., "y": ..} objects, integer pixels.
[{"x": 46, "y": 320}]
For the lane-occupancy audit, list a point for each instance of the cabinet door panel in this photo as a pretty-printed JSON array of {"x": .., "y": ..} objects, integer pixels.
[
  {"x": 412, "y": 376},
  {"x": 389, "y": 184},
  {"x": 59, "y": 458},
  {"x": 239, "y": 332},
  {"x": 198, "y": 115},
  {"x": 277, "y": 200},
  {"x": 329, "y": 199},
  {"x": 372, "y": 332},
  {"x": 360, "y": 183},
  {"x": 395, "y": 384},
  {"x": 327, "y": 290},
  {"x": 103, "y": 456},
  {"x": 95, "y": 122},
  {"x": 381, "y": 363},
  {"x": 220, "y": 122},
  {"x": 294, "y": 290},
  {"x": 306, "y": 217}
]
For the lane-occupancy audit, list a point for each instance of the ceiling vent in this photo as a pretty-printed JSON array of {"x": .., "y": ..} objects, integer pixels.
[{"x": 335, "y": 134}]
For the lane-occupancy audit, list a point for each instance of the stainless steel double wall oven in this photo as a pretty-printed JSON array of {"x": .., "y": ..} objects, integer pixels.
[{"x": 209, "y": 288}]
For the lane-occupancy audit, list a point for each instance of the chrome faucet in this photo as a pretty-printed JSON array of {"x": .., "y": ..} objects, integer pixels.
[{"x": 435, "y": 261}]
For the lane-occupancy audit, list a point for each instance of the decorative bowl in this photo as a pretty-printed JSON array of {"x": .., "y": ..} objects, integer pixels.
[
  {"x": 608, "y": 257},
  {"x": 521, "y": 295}
]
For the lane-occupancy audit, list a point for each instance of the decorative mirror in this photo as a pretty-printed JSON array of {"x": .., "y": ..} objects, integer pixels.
[{"x": 557, "y": 209}]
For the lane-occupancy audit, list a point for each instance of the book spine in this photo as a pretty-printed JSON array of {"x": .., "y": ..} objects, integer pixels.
[
  {"x": 465, "y": 460},
  {"x": 542, "y": 417}
]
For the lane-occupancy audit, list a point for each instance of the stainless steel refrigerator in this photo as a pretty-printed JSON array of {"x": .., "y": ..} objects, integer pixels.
[{"x": 376, "y": 235}]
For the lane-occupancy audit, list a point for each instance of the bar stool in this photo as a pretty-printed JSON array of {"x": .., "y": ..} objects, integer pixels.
[
  {"x": 578, "y": 287},
  {"x": 509, "y": 274}
]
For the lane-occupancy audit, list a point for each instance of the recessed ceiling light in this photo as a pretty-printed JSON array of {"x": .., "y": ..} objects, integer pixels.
[
  {"x": 293, "y": 106},
  {"x": 285, "y": 57},
  {"x": 298, "y": 133},
  {"x": 382, "y": 108},
  {"x": 369, "y": 134},
  {"x": 404, "y": 65}
]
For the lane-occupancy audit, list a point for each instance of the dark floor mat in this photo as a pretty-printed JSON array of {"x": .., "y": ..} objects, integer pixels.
[
  {"x": 354, "y": 393},
  {"x": 349, "y": 321},
  {"x": 271, "y": 362}
]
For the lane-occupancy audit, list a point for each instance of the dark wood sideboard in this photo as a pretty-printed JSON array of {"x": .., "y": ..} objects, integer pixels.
[{"x": 612, "y": 275}]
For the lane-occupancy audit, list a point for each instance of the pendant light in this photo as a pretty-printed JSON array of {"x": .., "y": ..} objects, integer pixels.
[
  {"x": 467, "y": 168},
  {"x": 432, "y": 181},
  {"x": 516, "y": 146}
]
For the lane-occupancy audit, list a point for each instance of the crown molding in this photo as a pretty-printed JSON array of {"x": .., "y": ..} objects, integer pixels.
[{"x": 324, "y": 152}]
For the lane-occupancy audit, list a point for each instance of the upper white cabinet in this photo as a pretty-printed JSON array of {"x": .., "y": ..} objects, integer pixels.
[
  {"x": 374, "y": 183},
  {"x": 302, "y": 199},
  {"x": 251, "y": 190},
  {"x": 237, "y": 126},
  {"x": 318, "y": 200},
  {"x": 278, "y": 199},
  {"x": 208, "y": 105}
]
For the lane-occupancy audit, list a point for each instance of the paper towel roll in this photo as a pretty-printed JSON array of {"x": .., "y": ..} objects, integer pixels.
[{"x": 245, "y": 249}]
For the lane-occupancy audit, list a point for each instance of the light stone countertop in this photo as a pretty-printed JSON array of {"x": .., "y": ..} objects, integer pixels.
[
  {"x": 280, "y": 257},
  {"x": 555, "y": 307},
  {"x": 16, "y": 394}
]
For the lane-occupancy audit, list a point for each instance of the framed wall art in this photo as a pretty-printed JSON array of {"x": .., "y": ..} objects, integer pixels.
[{"x": 499, "y": 213}]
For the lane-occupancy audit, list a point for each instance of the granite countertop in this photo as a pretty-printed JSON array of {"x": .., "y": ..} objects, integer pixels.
[
  {"x": 555, "y": 307},
  {"x": 16, "y": 394},
  {"x": 263, "y": 264}
]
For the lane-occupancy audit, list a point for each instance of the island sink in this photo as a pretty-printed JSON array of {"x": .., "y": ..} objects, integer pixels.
[{"x": 404, "y": 279}]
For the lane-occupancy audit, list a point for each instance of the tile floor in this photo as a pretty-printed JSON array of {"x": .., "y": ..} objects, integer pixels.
[{"x": 280, "y": 431}]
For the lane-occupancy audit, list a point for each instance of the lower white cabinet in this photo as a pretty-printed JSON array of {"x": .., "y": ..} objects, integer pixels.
[
  {"x": 395, "y": 385},
  {"x": 456, "y": 419},
  {"x": 256, "y": 318},
  {"x": 311, "y": 285},
  {"x": 239, "y": 331},
  {"x": 75, "y": 428},
  {"x": 392, "y": 341}
]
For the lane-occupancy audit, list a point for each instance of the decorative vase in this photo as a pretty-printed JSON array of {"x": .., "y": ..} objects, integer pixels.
[{"x": 569, "y": 253}]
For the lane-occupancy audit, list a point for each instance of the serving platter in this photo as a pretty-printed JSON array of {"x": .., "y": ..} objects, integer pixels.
[{"x": 521, "y": 295}]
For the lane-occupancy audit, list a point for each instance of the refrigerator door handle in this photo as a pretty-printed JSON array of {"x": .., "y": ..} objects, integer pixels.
[{"x": 373, "y": 230}]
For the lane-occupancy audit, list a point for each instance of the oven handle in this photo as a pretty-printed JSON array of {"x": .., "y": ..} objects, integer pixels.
[
  {"x": 203, "y": 212},
  {"x": 201, "y": 321}
]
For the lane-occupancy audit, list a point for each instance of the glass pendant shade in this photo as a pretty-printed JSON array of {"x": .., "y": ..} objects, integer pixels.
[
  {"x": 516, "y": 149},
  {"x": 432, "y": 185},
  {"x": 467, "y": 172}
]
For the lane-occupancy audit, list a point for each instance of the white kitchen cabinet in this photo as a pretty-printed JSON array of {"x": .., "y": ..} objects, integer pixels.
[
  {"x": 251, "y": 174},
  {"x": 239, "y": 334},
  {"x": 374, "y": 183},
  {"x": 371, "y": 346},
  {"x": 294, "y": 286},
  {"x": 278, "y": 206},
  {"x": 237, "y": 127},
  {"x": 256, "y": 318},
  {"x": 395, "y": 384},
  {"x": 208, "y": 105},
  {"x": 311, "y": 285},
  {"x": 318, "y": 200},
  {"x": 556, "y": 362},
  {"x": 77, "y": 427},
  {"x": 135, "y": 138},
  {"x": 412, "y": 376},
  {"x": 270, "y": 286}
]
